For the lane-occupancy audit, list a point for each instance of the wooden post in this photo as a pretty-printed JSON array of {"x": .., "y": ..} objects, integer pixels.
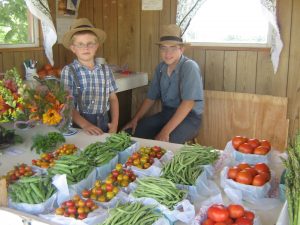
[{"x": 3, "y": 191}]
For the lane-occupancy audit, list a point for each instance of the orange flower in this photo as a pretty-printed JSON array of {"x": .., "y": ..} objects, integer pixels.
[{"x": 51, "y": 117}]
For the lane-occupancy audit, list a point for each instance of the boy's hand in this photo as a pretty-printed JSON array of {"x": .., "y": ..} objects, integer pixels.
[
  {"x": 132, "y": 124},
  {"x": 92, "y": 130}
]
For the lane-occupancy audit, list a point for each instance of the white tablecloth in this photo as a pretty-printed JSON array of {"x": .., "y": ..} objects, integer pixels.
[{"x": 21, "y": 154}]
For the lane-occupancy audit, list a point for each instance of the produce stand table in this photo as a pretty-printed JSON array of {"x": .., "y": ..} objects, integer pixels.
[{"x": 21, "y": 154}]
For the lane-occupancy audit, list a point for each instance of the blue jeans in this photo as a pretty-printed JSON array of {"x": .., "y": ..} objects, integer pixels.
[
  {"x": 98, "y": 120},
  {"x": 149, "y": 127}
]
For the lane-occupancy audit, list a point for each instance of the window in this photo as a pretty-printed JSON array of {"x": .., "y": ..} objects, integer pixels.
[
  {"x": 18, "y": 28},
  {"x": 229, "y": 23}
]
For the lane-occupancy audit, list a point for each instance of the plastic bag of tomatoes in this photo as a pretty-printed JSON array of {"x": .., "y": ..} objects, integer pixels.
[
  {"x": 247, "y": 182},
  {"x": 250, "y": 150},
  {"x": 77, "y": 211},
  {"x": 219, "y": 214}
]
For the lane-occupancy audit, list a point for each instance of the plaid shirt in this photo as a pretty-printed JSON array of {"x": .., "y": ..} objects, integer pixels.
[{"x": 91, "y": 85}]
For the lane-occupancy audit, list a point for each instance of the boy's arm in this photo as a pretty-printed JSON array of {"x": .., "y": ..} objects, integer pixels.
[{"x": 114, "y": 113}]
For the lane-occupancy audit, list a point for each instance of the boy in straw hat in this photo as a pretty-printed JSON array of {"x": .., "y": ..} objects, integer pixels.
[
  {"x": 92, "y": 86},
  {"x": 177, "y": 83}
]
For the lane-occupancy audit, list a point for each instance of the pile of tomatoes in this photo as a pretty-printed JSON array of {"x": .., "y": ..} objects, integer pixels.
[
  {"x": 47, "y": 160},
  {"x": 48, "y": 70},
  {"x": 234, "y": 214},
  {"x": 144, "y": 157},
  {"x": 101, "y": 191},
  {"x": 65, "y": 149},
  {"x": 76, "y": 208},
  {"x": 19, "y": 171},
  {"x": 121, "y": 176},
  {"x": 256, "y": 175},
  {"x": 251, "y": 146}
]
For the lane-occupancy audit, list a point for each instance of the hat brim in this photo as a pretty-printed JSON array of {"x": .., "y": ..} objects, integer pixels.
[
  {"x": 172, "y": 43},
  {"x": 66, "y": 40}
]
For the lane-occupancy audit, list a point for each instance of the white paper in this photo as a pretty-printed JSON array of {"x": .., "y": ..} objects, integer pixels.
[{"x": 152, "y": 4}]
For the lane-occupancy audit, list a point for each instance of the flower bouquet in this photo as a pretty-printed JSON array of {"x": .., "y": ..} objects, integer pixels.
[
  {"x": 11, "y": 105},
  {"x": 50, "y": 104},
  {"x": 11, "y": 96}
]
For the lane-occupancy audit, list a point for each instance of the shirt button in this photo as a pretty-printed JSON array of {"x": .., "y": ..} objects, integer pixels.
[{"x": 93, "y": 101}]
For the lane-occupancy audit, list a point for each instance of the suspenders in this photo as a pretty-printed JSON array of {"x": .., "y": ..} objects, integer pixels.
[{"x": 76, "y": 80}]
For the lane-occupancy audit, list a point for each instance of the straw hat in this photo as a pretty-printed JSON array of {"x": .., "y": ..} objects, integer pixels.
[
  {"x": 82, "y": 24},
  {"x": 171, "y": 34}
]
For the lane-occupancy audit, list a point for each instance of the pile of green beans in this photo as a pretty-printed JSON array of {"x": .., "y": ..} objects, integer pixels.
[
  {"x": 99, "y": 153},
  {"x": 75, "y": 167},
  {"x": 187, "y": 164},
  {"x": 162, "y": 190},
  {"x": 132, "y": 213},
  {"x": 119, "y": 141},
  {"x": 31, "y": 190}
]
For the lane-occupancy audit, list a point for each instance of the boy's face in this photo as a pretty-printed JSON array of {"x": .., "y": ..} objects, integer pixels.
[
  {"x": 170, "y": 54},
  {"x": 84, "y": 46}
]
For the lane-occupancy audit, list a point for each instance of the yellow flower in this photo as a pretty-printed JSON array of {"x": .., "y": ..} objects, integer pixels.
[{"x": 51, "y": 117}]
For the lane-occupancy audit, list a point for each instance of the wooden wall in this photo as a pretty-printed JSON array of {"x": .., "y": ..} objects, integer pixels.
[{"x": 133, "y": 32}]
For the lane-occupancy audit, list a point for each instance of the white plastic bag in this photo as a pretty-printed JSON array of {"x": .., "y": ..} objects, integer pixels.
[
  {"x": 249, "y": 158},
  {"x": 123, "y": 155},
  {"x": 104, "y": 170},
  {"x": 201, "y": 214},
  {"x": 256, "y": 195}
]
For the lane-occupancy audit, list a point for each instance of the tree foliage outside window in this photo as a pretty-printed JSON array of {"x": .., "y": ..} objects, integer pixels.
[{"x": 17, "y": 25}]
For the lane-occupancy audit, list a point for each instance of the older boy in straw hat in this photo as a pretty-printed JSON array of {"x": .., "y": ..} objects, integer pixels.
[
  {"x": 177, "y": 83},
  {"x": 92, "y": 85}
]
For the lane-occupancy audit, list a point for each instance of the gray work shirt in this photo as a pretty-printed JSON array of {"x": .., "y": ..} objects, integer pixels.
[{"x": 177, "y": 87}]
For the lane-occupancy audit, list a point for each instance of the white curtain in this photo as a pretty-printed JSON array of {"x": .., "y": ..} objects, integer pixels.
[
  {"x": 40, "y": 9},
  {"x": 186, "y": 9},
  {"x": 269, "y": 9}
]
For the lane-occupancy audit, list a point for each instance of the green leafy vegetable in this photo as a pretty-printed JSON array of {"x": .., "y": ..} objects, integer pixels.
[{"x": 47, "y": 143}]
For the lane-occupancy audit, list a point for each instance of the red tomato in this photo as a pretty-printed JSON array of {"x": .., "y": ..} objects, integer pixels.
[
  {"x": 82, "y": 216},
  {"x": 245, "y": 148},
  {"x": 232, "y": 172},
  {"x": 244, "y": 177},
  {"x": 70, "y": 203},
  {"x": 217, "y": 213},
  {"x": 48, "y": 67},
  {"x": 259, "y": 180},
  {"x": 89, "y": 203},
  {"x": 220, "y": 223},
  {"x": 208, "y": 222},
  {"x": 252, "y": 171},
  {"x": 261, "y": 150},
  {"x": 253, "y": 142},
  {"x": 261, "y": 167},
  {"x": 72, "y": 210},
  {"x": 266, "y": 175},
  {"x": 250, "y": 215},
  {"x": 156, "y": 148},
  {"x": 237, "y": 141},
  {"x": 265, "y": 143},
  {"x": 243, "y": 165},
  {"x": 85, "y": 193},
  {"x": 229, "y": 221},
  {"x": 243, "y": 221},
  {"x": 236, "y": 211}
]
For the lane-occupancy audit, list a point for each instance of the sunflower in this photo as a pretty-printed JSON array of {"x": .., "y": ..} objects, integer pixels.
[{"x": 51, "y": 117}]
